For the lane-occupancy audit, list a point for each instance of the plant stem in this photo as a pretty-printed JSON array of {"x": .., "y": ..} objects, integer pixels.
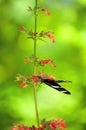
[{"x": 35, "y": 40}]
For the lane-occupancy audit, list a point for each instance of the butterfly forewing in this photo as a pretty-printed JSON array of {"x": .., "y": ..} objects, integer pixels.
[
  {"x": 54, "y": 84},
  {"x": 61, "y": 81}
]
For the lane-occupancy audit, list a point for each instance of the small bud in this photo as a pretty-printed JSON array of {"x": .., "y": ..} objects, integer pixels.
[
  {"x": 46, "y": 12},
  {"x": 29, "y": 8},
  {"x": 21, "y": 28},
  {"x": 26, "y": 61}
]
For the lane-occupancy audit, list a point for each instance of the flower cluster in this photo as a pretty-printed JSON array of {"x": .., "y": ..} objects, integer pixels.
[
  {"x": 35, "y": 78},
  {"x": 46, "y": 125},
  {"x": 39, "y": 8},
  {"x": 23, "y": 81},
  {"x": 27, "y": 81},
  {"x": 42, "y": 34},
  {"x": 19, "y": 127},
  {"x": 57, "y": 124},
  {"x": 39, "y": 62}
]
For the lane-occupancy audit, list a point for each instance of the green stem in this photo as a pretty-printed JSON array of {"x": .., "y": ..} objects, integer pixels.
[{"x": 35, "y": 40}]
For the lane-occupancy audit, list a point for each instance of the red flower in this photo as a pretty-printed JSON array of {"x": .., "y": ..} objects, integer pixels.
[
  {"x": 36, "y": 79},
  {"x": 26, "y": 61},
  {"x": 46, "y": 12},
  {"x": 21, "y": 28},
  {"x": 43, "y": 62},
  {"x": 22, "y": 84},
  {"x": 42, "y": 126},
  {"x": 21, "y": 127},
  {"x": 46, "y": 61},
  {"x": 14, "y": 127},
  {"x": 50, "y": 36},
  {"x": 62, "y": 126},
  {"x": 53, "y": 65},
  {"x": 53, "y": 125},
  {"x": 58, "y": 123}
]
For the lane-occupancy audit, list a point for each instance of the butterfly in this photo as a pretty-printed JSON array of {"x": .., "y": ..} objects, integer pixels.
[{"x": 54, "y": 84}]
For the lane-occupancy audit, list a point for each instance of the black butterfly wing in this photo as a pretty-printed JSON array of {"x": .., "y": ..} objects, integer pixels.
[{"x": 55, "y": 85}]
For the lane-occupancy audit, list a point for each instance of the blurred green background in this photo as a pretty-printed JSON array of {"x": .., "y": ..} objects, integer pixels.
[{"x": 68, "y": 21}]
